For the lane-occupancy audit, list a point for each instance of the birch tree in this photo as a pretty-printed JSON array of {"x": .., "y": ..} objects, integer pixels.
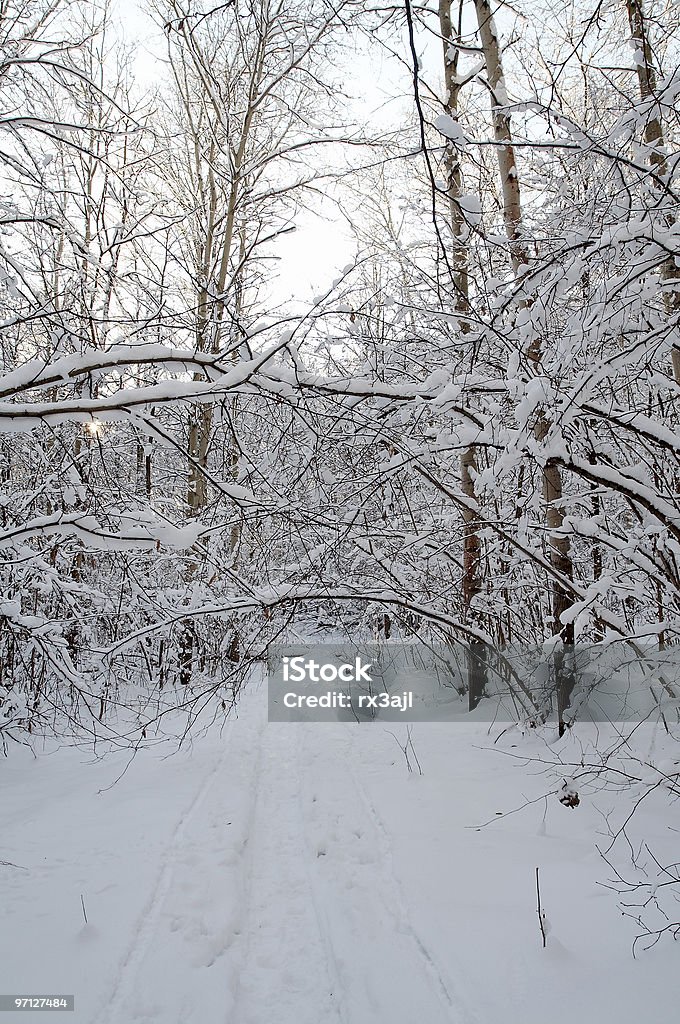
[
  {"x": 512, "y": 217},
  {"x": 654, "y": 138},
  {"x": 246, "y": 87}
]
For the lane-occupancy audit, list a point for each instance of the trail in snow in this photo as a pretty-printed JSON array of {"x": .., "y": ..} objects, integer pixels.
[
  {"x": 194, "y": 915},
  {"x": 386, "y": 971},
  {"x": 275, "y": 899},
  {"x": 282, "y": 873}
]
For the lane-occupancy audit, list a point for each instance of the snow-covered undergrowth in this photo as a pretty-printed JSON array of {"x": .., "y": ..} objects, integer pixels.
[{"x": 301, "y": 874}]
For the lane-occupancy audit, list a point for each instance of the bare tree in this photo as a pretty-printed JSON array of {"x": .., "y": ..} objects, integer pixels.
[
  {"x": 646, "y": 75},
  {"x": 512, "y": 215}
]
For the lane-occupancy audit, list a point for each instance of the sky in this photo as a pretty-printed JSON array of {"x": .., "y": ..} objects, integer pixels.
[{"x": 312, "y": 257}]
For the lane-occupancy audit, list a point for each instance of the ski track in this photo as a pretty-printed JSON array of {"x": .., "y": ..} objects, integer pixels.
[
  {"x": 279, "y": 889},
  {"x": 142, "y": 991},
  {"x": 452, "y": 996},
  {"x": 388, "y": 973},
  {"x": 148, "y": 922},
  {"x": 285, "y": 969}
]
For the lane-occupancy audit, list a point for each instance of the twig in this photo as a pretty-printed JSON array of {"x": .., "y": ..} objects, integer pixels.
[
  {"x": 9, "y": 864},
  {"x": 538, "y": 909},
  {"x": 403, "y": 748},
  {"x": 413, "y": 749},
  {"x": 82, "y": 903}
]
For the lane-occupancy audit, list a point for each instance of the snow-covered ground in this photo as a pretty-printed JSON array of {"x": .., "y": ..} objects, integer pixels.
[{"x": 299, "y": 874}]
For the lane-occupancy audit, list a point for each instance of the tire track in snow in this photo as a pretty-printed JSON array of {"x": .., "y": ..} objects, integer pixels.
[
  {"x": 320, "y": 913},
  {"x": 456, "y": 1001},
  {"x": 286, "y": 968},
  {"x": 148, "y": 919},
  {"x": 388, "y": 971},
  {"x": 131, "y": 991},
  {"x": 238, "y": 951}
]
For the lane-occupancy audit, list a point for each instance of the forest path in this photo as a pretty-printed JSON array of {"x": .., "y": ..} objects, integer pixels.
[
  {"x": 275, "y": 897},
  {"x": 298, "y": 873}
]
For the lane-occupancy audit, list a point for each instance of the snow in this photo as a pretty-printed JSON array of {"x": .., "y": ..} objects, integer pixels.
[
  {"x": 450, "y": 129},
  {"x": 308, "y": 872},
  {"x": 472, "y": 208},
  {"x": 299, "y": 874},
  {"x": 500, "y": 93},
  {"x": 138, "y": 534}
]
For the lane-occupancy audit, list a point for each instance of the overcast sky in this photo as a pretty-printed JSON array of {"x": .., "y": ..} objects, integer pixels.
[{"x": 312, "y": 256}]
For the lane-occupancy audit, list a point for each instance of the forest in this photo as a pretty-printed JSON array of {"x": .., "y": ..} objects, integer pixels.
[{"x": 220, "y": 433}]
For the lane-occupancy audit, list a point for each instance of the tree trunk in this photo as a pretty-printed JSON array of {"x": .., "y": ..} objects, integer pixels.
[
  {"x": 476, "y": 666},
  {"x": 512, "y": 206},
  {"x": 646, "y": 75},
  {"x": 559, "y": 553}
]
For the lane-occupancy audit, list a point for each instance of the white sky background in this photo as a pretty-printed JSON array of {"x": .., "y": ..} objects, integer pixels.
[{"x": 311, "y": 257}]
